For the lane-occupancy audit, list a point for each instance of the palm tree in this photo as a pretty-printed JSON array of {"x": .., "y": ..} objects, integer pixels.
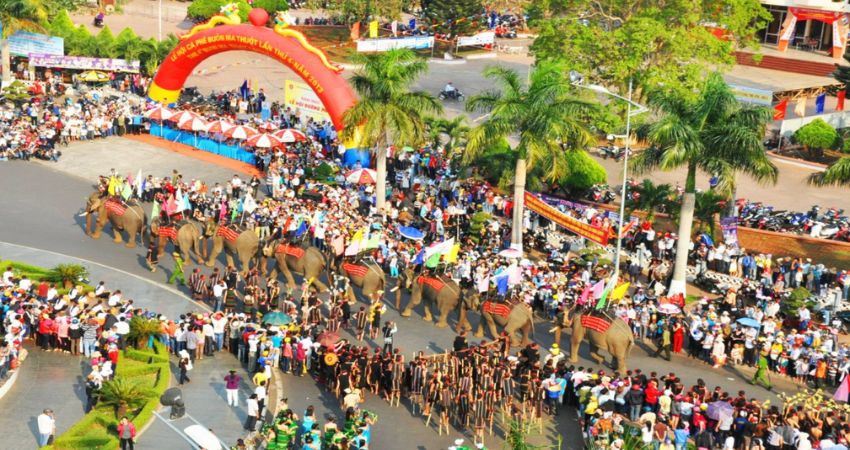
[
  {"x": 707, "y": 206},
  {"x": 652, "y": 198},
  {"x": 143, "y": 330},
  {"x": 543, "y": 116},
  {"x": 456, "y": 130},
  {"x": 388, "y": 112},
  {"x": 837, "y": 174},
  {"x": 123, "y": 395},
  {"x": 709, "y": 131},
  {"x": 16, "y": 15}
]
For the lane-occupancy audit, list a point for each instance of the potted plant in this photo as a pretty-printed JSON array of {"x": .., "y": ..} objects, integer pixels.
[
  {"x": 68, "y": 274},
  {"x": 122, "y": 395},
  {"x": 143, "y": 331}
]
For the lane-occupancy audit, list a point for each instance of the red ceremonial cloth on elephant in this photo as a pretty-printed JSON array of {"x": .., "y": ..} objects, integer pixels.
[
  {"x": 290, "y": 250},
  {"x": 435, "y": 283},
  {"x": 227, "y": 233},
  {"x": 115, "y": 207},
  {"x": 354, "y": 269},
  {"x": 595, "y": 323},
  {"x": 168, "y": 232},
  {"x": 498, "y": 309}
]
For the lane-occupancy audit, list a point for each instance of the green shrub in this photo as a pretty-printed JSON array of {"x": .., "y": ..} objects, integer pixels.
[
  {"x": 204, "y": 9},
  {"x": 795, "y": 300},
  {"x": 68, "y": 274}
]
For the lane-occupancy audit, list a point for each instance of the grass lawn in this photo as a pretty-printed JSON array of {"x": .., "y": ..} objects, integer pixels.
[{"x": 334, "y": 41}]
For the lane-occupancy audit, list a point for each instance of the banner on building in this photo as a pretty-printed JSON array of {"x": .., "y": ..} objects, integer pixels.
[
  {"x": 302, "y": 99},
  {"x": 598, "y": 235},
  {"x": 383, "y": 45},
  {"x": 729, "y": 227},
  {"x": 84, "y": 63},
  {"x": 24, "y": 43},
  {"x": 482, "y": 38},
  {"x": 747, "y": 94}
]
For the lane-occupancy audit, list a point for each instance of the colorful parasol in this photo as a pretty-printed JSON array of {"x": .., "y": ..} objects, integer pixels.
[
  {"x": 183, "y": 116},
  {"x": 362, "y": 176},
  {"x": 219, "y": 126},
  {"x": 240, "y": 132},
  {"x": 159, "y": 113},
  {"x": 194, "y": 124},
  {"x": 263, "y": 140},
  {"x": 290, "y": 135}
]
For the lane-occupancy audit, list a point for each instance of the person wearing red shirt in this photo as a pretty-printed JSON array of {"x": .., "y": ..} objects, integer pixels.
[
  {"x": 651, "y": 394},
  {"x": 126, "y": 433}
]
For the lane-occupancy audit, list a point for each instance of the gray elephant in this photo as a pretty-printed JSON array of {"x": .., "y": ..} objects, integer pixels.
[
  {"x": 244, "y": 244},
  {"x": 186, "y": 235},
  {"x": 368, "y": 276},
  {"x": 437, "y": 290},
  {"x": 603, "y": 332},
  {"x": 308, "y": 262},
  {"x": 123, "y": 217},
  {"x": 512, "y": 318}
]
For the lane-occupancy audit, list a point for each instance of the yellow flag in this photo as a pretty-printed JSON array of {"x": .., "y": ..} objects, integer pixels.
[
  {"x": 358, "y": 236},
  {"x": 620, "y": 291},
  {"x": 113, "y": 185},
  {"x": 373, "y": 29},
  {"x": 451, "y": 256}
]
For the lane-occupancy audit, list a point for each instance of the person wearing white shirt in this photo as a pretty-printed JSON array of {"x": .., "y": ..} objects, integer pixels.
[{"x": 46, "y": 427}]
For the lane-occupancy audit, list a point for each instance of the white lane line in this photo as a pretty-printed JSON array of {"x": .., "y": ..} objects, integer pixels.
[{"x": 123, "y": 272}]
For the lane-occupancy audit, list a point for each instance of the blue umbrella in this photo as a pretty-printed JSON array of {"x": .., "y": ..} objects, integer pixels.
[
  {"x": 749, "y": 322},
  {"x": 411, "y": 233},
  {"x": 277, "y": 318}
]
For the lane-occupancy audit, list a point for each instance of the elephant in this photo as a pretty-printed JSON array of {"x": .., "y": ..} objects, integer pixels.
[
  {"x": 309, "y": 262},
  {"x": 129, "y": 218},
  {"x": 368, "y": 276},
  {"x": 617, "y": 338},
  {"x": 243, "y": 244},
  {"x": 439, "y": 290},
  {"x": 188, "y": 235},
  {"x": 512, "y": 318}
]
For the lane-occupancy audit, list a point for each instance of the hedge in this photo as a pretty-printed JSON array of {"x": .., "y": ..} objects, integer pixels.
[{"x": 97, "y": 429}]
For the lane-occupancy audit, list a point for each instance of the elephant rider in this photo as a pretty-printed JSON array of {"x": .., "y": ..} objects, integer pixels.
[{"x": 177, "y": 274}]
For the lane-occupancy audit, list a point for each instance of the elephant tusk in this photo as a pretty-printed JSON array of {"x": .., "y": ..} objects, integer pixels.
[
  {"x": 83, "y": 214},
  {"x": 394, "y": 289}
]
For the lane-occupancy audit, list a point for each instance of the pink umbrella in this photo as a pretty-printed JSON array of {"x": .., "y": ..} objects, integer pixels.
[
  {"x": 219, "y": 126},
  {"x": 264, "y": 140},
  {"x": 195, "y": 124},
  {"x": 240, "y": 132},
  {"x": 362, "y": 176},
  {"x": 290, "y": 135},
  {"x": 183, "y": 116},
  {"x": 159, "y": 113}
]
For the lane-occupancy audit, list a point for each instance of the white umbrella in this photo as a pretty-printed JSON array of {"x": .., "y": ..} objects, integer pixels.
[
  {"x": 240, "y": 132},
  {"x": 362, "y": 176},
  {"x": 219, "y": 126},
  {"x": 669, "y": 308},
  {"x": 194, "y": 124},
  {"x": 290, "y": 135},
  {"x": 263, "y": 141}
]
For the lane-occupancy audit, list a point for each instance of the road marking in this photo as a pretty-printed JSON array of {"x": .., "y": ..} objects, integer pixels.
[{"x": 123, "y": 272}]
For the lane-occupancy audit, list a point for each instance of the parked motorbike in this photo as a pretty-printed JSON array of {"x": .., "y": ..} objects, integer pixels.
[{"x": 455, "y": 95}]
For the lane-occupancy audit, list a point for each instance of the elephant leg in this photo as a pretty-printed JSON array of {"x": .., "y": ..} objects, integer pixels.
[
  {"x": 442, "y": 320},
  {"x": 350, "y": 292},
  {"x": 575, "y": 343},
  {"x": 427, "y": 317},
  {"x": 479, "y": 332},
  {"x": 526, "y": 332},
  {"x": 195, "y": 250},
  {"x": 594, "y": 353},
  {"x": 491, "y": 324},
  {"x": 160, "y": 246},
  {"x": 229, "y": 259},
  {"x": 131, "y": 236},
  {"x": 203, "y": 245},
  {"x": 290, "y": 280},
  {"x": 117, "y": 237}
]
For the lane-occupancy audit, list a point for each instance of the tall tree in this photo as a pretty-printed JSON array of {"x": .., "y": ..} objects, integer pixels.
[
  {"x": 544, "y": 117},
  {"x": 388, "y": 112},
  {"x": 651, "y": 198},
  {"x": 660, "y": 42},
  {"x": 711, "y": 132},
  {"x": 452, "y": 17},
  {"x": 837, "y": 174},
  {"x": 16, "y": 15}
]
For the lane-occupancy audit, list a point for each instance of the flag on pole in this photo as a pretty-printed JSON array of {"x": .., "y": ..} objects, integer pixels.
[
  {"x": 502, "y": 282},
  {"x": 139, "y": 184},
  {"x": 585, "y": 294},
  {"x": 514, "y": 274},
  {"x": 440, "y": 248},
  {"x": 419, "y": 258},
  {"x": 843, "y": 390},
  {"x": 127, "y": 191},
  {"x": 433, "y": 260},
  {"x": 598, "y": 289},
  {"x": 840, "y": 105},
  {"x": 800, "y": 107},
  {"x": 249, "y": 205},
  {"x": 484, "y": 284},
  {"x": 373, "y": 29},
  {"x": 820, "y": 104},
  {"x": 155, "y": 210},
  {"x": 780, "y": 109},
  {"x": 451, "y": 256},
  {"x": 187, "y": 205},
  {"x": 620, "y": 291},
  {"x": 604, "y": 298}
]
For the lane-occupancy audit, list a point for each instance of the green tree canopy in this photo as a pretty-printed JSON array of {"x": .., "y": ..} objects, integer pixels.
[
  {"x": 816, "y": 134},
  {"x": 29, "y": 15},
  {"x": 656, "y": 43},
  {"x": 204, "y": 9},
  {"x": 452, "y": 17},
  {"x": 360, "y": 10}
]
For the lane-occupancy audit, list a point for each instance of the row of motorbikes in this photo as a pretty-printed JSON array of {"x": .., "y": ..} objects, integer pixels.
[{"x": 830, "y": 223}]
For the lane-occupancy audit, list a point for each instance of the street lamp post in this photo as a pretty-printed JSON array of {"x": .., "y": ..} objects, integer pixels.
[{"x": 639, "y": 109}]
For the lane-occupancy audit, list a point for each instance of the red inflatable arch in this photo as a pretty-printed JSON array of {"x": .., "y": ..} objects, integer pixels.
[{"x": 328, "y": 84}]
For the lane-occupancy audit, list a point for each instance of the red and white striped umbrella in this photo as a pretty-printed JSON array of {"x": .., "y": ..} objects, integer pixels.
[
  {"x": 266, "y": 126},
  {"x": 264, "y": 140},
  {"x": 183, "y": 116},
  {"x": 290, "y": 135},
  {"x": 159, "y": 113},
  {"x": 219, "y": 126},
  {"x": 195, "y": 124},
  {"x": 240, "y": 132},
  {"x": 362, "y": 176}
]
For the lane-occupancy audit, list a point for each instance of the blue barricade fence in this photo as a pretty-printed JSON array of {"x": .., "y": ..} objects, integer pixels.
[{"x": 203, "y": 143}]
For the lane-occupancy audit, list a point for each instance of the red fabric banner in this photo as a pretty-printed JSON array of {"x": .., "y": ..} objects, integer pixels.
[
  {"x": 290, "y": 250},
  {"x": 595, "y": 323},
  {"x": 840, "y": 105},
  {"x": 595, "y": 234},
  {"x": 435, "y": 283},
  {"x": 354, "y": 269},
  {"x": 228, "y": 233},
  {"x": 115, "y": 208},
  {"x": 815, "y": 14},
  {"x": 498, "y": 309},
  {"x": 779, "y": 110}
]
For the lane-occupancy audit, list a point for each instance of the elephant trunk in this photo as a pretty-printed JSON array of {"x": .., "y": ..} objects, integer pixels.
[{"x": 88, "y": 223}]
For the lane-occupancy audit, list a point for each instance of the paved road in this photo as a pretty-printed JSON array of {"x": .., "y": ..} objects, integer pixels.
[{"x": 45, "y": 217}]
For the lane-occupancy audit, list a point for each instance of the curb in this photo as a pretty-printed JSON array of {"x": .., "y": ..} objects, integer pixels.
[
  {"x": 798, "y": 162},
  {"x": 490, "y": 55},
  {"x": 7, "y": 386},
  {"x": 448, "y": 62}
]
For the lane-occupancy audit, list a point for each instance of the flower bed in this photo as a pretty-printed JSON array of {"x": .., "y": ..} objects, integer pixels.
[{"x": 97, "y": 429}]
